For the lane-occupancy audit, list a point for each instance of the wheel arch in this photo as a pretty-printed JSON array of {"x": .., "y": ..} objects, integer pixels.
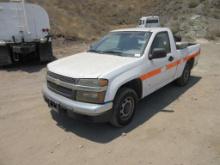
[
  {"x": 191, "y": 62},
  {"x": 135, "y": 84}
]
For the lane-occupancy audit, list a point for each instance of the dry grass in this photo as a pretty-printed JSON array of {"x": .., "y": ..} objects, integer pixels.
[
  {"x": 87, "y": 20},
  {"x": 213, "y": 32}
]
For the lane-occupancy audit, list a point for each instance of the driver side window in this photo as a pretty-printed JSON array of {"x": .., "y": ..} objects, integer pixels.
[{"x": 161, "y": 41}]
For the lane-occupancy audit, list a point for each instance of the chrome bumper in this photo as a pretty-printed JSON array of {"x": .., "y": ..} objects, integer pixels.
[{"x": 75, "y": 106}]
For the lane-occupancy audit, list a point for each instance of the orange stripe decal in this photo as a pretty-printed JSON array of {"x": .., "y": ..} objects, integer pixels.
[
  {"x": 151, "y": 74},
  {"x": 173, "y": 64},
  {"x": 189, "y": 57},
  {"x": 168, "y": 66}
]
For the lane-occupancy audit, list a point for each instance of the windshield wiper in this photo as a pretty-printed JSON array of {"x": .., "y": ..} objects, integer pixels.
[
  {"x": 107, "y": 52},
  {"x": 113, "y": 52},
  {"x": 95, "y": 51}
]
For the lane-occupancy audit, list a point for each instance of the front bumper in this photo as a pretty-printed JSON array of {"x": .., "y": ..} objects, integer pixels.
[{"x": 75, "y": 106}]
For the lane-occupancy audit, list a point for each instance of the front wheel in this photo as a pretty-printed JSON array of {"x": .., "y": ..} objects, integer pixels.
[
  {"x": 124, "y": 107},
  {"x": 184, "y": 79}
]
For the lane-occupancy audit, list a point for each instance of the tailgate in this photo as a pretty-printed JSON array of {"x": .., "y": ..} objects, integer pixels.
[{"x": 194, "y": 51}]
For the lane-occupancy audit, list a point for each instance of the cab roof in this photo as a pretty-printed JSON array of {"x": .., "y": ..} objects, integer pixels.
[{"x": 138, "y": 29}]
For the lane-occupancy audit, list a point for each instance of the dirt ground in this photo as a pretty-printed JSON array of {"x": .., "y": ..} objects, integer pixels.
[{"x": 174, "y": 126}]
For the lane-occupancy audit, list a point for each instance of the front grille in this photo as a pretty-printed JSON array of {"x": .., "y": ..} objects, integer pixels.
[
  {"x": 63, "y": 78},
  {"x": 66, "y": 92}
]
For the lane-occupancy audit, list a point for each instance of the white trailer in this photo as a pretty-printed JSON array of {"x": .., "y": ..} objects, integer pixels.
[{"x": 24, "y": 33}]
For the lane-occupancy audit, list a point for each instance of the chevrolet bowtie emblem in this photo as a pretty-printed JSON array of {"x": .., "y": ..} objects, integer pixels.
[{"x": 57, "y": 81}]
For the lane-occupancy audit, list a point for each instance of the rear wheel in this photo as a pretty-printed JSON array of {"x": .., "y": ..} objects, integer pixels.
[
  {"x": 5, "y": 55},
  {"x": 184, "y": 79},
  {"x": 124, "y": 107}
]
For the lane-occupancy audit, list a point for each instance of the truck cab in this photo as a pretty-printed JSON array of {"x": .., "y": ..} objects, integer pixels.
[{"x": 106, "y": 82}]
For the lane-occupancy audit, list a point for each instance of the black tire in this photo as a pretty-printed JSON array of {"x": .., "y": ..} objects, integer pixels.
[
  {"x": 124, "y": 107},
  {"x": 185, "y": 77},
  {"x": 5, "y": 56}
]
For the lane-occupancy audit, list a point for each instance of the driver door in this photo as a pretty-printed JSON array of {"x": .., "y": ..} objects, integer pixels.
[{"x": 158, "y": 73}]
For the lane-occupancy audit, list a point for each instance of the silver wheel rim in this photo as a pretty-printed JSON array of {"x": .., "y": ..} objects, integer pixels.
[{"x": 127, "y": 108}]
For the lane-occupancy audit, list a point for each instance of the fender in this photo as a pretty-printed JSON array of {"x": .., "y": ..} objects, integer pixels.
[
  {"x": 192, "y": 55},
  {"x": 116, "y": 83}
]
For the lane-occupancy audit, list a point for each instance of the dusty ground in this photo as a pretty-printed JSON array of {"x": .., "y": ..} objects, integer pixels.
[{"x": 174, "y": 126}]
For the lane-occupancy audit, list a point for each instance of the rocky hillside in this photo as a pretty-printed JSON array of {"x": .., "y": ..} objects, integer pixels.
[
  {"x": 88, "y": 19},
  {"x": 191, "y": 18}
]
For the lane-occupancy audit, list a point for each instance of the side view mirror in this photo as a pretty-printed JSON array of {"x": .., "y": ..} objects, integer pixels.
[{"x": 158, "y": 53}]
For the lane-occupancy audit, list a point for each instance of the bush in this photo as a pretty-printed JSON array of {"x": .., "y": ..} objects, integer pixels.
[{"x": 193, "y": 4}]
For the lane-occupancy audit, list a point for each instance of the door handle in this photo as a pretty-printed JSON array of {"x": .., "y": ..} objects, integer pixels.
[{"x": 171, "y": 58}]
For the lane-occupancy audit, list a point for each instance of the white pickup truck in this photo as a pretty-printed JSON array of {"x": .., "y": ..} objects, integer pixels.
[{"x": 106, "y": 82}]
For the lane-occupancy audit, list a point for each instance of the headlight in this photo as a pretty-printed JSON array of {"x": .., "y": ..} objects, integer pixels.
[
  {"x": 90, "y": 97},
  {"x": 97, "y": 95},
  {"x": 93, "y": 82}
]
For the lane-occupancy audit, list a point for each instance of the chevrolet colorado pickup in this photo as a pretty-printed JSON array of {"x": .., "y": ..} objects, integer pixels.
[{"x": 106, "y": 82}]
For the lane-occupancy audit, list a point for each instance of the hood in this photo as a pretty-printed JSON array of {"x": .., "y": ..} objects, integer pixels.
[{"x": 89, "y": 65}]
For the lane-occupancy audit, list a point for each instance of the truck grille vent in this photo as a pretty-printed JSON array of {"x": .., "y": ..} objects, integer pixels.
[
  {"x": 66, "y": 92},
  {"x": 63, "y": 78}
]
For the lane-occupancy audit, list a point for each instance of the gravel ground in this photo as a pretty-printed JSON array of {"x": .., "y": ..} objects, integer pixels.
[{"x": 175, "y": 126}]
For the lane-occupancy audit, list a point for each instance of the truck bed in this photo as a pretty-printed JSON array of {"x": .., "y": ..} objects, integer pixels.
[{"x": 188, "y": 50}]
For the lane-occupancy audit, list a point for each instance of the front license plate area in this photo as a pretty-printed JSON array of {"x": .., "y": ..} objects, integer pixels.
[{"x": 54, "y": 106}]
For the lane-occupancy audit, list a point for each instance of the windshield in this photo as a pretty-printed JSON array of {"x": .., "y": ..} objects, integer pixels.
[{"x": 122, "y": 43}]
